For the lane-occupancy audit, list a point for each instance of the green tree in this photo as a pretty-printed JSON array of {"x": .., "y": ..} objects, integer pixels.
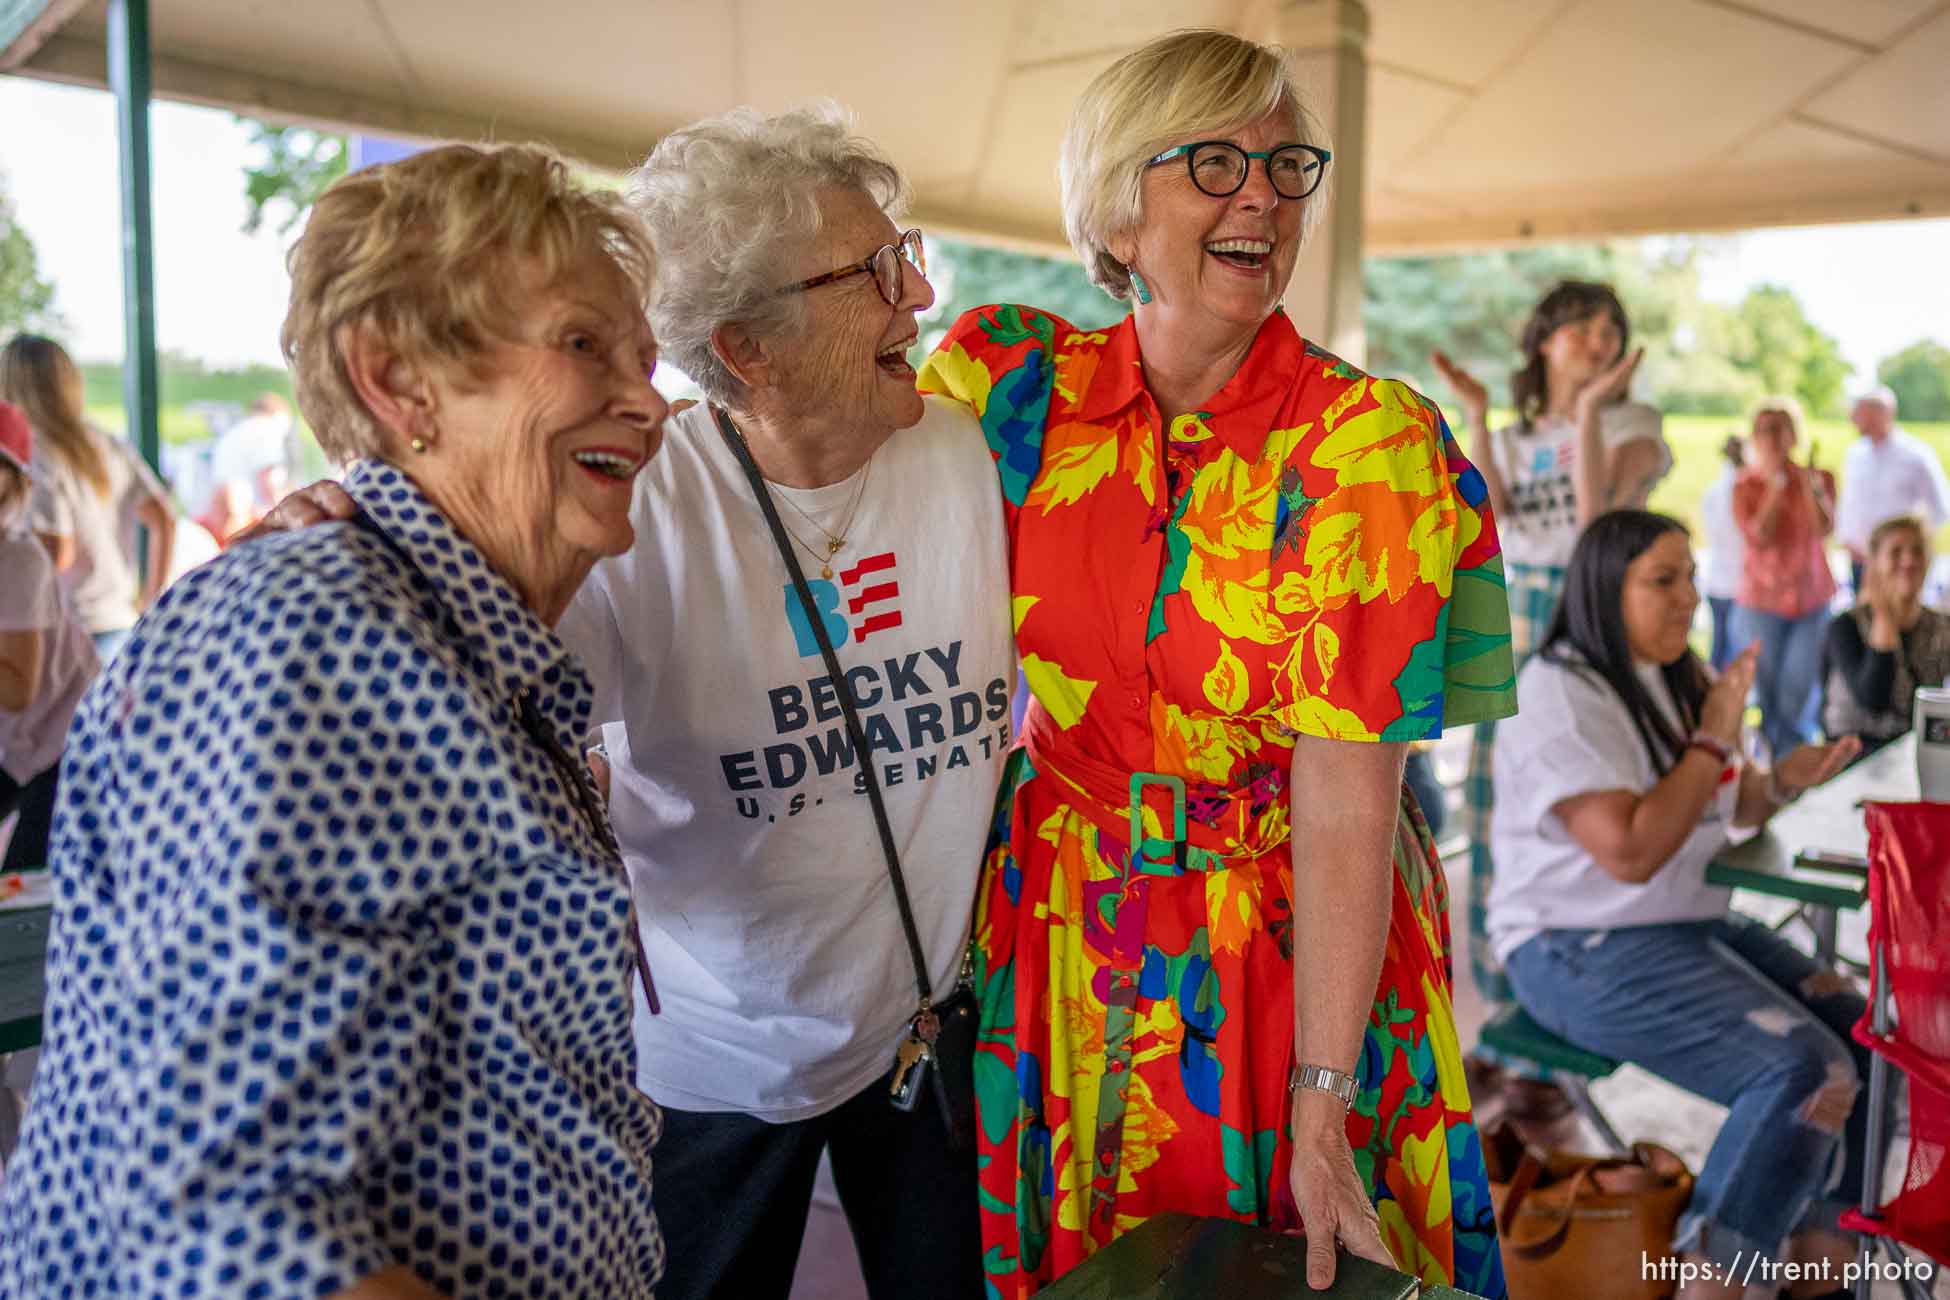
[
  {"x": 1474, "y": 307},
  {"x": 1920, "y": 377},
  {"x": 26, "y": 298},
  {"x": 966, "y": 276},
  {"x": 293, "y": 166},
  {"x": 1770, "y": 337}
]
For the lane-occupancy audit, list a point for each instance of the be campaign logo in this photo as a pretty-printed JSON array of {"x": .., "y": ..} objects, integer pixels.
[{"x": 864, "y": 601}]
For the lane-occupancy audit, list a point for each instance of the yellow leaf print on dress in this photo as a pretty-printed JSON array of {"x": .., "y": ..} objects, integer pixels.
[
  {"x": 962, "y": 375},
  {"x": 1207, "y": 747},
  {"x": 1225, "y": 682},
  {"x": 1076, "y": 458},
  {"x": 1062, "y": 695},
  {"x": 1232, "y": 907}
]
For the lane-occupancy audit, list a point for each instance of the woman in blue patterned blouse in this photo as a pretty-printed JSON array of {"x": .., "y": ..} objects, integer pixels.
[{"x": 339, "y": 981}]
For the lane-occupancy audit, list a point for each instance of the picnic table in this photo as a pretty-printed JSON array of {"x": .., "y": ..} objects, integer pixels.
[{"x": 1813, "y": 854}]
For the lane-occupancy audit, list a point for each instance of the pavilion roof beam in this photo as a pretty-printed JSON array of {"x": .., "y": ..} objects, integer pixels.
[{"x": 80, "y": 61}]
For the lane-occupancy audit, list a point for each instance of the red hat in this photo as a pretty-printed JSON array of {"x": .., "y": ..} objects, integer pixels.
[{"x": 16, "y": 438}]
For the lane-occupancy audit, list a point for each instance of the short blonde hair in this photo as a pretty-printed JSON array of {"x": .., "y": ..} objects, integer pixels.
[
  {"x": 1198, "y": 82},
  {"x": 422, "y": 250},
  {"x": 1781, "y": 405}
]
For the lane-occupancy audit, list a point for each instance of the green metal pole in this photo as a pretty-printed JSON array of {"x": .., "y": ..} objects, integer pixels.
[{"x": 128, "y": 74}]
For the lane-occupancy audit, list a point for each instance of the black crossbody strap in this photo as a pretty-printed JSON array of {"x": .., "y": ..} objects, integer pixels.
[{"x": 736, "y": 441}]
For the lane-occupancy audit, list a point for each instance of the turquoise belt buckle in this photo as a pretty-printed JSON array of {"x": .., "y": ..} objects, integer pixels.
[{"x": 1146, "y": 850}]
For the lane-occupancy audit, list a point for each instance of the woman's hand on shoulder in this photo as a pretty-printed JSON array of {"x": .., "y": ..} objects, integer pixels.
[
  {"x": 1726, "y": 700},
  {"x": 322, "y": 502},
  {"x": 1470, "y": 392},
  {"x": 1327, "y": 1190}
]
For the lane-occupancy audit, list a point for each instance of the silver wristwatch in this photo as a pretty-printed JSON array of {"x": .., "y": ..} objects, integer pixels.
[{"x": 1338, "y": 1082}]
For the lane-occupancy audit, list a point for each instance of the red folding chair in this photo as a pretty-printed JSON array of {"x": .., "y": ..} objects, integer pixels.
[{"x": 1908, "y": 1025}]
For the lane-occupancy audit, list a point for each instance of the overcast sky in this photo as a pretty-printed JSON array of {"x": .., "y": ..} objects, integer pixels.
[{"x": 220, "y": 294}]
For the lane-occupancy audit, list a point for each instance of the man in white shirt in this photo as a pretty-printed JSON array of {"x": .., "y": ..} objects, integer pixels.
[{"x": 1886, "y": 473}]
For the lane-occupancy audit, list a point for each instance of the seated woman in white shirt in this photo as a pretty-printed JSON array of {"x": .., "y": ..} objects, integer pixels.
[{"x": 1616, "y": 784}]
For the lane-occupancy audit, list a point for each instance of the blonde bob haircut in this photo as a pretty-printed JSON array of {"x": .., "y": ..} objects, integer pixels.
[
  {"x": 1784, "y": 406},
  {"x": 1187, "y": 85},
  {"x": 424, "y": 251}
]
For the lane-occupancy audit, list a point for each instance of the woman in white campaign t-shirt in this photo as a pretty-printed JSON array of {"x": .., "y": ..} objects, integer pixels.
[
  {"x": 1576, "y": 449},
  {"x": 1616, "y": 784}
]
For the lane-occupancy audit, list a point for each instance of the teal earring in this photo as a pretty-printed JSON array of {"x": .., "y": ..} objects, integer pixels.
[{"x": 1139, "y": 287}]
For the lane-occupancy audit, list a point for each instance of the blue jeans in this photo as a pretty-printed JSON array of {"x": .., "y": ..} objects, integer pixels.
[
  {"x": 1784, "y": 680},
  {"x": 1729, "y": 1010},
  {"x": 1722, "y": 607}
]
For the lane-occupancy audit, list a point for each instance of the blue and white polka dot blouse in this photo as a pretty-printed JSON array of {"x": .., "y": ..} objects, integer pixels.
[{"x": 339, "y": 975}]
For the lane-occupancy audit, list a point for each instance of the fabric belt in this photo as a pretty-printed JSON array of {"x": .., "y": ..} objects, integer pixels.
[{"x": 1247, "y": 823}]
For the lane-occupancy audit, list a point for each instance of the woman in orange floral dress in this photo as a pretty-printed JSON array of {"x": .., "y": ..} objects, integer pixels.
[{"x": 1245, "y": 575}]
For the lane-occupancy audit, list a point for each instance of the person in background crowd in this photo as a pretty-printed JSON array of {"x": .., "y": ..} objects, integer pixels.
[
  {"x": 1616, "y": 785},
  {"x": 90, "y": 491},
  {"x": 46, "y": 659},
  {"x": 1886, "y": 472},
  {"x": 1726, "y": 551},
  {"x": 1785, "y": 512},
  {"x": 250, "y": 469},
  {"x": 1876, "y": 654},
  {"x": 1577, "y": 448},
  {"x": 1244, "y": 575},
  {"x": 338, "y": 988}
]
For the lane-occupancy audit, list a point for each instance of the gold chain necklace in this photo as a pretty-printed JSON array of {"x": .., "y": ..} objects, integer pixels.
[{"x": 834, "y": 541}]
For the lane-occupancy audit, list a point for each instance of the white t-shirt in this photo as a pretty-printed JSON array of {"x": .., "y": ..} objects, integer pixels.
[
  {"x": 102, "y": 581},
  {"x": 1541, "y": 524},
  {"x": 249, "y": 447},
  {"x": 31, "y": 600},
  {"x": 1726, "y": 549},
  {"x": 1901, "y": 476},
  {"x": 1572, "y": 736},
  {"x": 766, "y": 911}
]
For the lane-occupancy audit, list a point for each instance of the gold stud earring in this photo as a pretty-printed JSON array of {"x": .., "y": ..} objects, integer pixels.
[{"x": 419, "y": 445}]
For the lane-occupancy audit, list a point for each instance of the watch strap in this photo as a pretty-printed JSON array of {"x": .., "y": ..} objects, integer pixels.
[{"x": 1322, "y": 1079}]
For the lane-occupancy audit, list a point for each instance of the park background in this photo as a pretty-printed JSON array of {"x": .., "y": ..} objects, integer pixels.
[{"x": 1722, "y": 326}]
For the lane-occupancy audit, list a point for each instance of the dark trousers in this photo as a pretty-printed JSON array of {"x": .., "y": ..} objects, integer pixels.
[
  {"x": 35, "y": 802},
  {"x": 732, "y": 1194}
]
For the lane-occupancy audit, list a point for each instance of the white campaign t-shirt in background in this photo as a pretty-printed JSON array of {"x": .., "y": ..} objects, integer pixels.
[
  {"x": 1572, "y": 736},
  {"x": 766, "y": 911},
  {"x": 1541, "y": 524},
  {"x": 31, "y": 600}
]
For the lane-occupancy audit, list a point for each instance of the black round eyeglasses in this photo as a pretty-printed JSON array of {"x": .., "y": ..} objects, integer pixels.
[{"x": 1219, "y": 167}]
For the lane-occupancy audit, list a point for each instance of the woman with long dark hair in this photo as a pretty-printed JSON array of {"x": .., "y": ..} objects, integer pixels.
[
  {"x": 90, "y": 492},
  {"x": 1616, "y": 784},
  {"x": 1577, "y": 448}
]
